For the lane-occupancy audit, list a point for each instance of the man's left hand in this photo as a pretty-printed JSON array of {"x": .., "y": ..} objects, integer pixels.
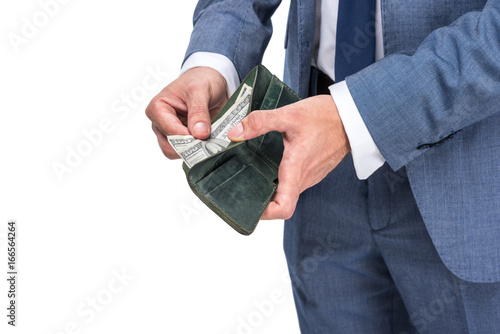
[{"x": 315, "y": 143}]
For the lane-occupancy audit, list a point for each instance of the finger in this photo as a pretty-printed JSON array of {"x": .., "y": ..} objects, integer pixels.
[
  {"x": 165, "y": 146},
  {"x": 162, "y": 113},
  {"x": 197, "y": 101},
  {"x": 283, "y": 204},
  {"x": 258, "y": 123}
]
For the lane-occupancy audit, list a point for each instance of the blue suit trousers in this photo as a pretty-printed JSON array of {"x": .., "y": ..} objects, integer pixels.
[{"x": 361, "y": 261}]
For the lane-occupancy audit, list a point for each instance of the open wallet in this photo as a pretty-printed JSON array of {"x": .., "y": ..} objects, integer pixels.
[{"x": 237, "y": 182}]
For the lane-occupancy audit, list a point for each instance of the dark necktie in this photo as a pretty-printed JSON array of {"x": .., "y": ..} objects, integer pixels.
[{"x": 355, "y": 48}]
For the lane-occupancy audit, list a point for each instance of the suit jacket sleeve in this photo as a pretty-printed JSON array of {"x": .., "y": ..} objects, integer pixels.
[
  {"x": 237, "y": 29},
  {"x": 411, "y": 102}
]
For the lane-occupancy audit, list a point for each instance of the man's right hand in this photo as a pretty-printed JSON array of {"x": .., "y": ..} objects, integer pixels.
[{"x": 187, "y": 106}]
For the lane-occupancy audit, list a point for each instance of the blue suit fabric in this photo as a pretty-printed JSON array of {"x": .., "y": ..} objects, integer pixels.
[{"x": 420, "y": 239}]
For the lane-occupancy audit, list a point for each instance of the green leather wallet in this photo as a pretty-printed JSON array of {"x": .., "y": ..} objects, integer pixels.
[{"x": 238, "y": 182}]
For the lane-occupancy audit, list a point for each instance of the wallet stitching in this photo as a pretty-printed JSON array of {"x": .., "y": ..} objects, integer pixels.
[{"x": 291, "y": 91}]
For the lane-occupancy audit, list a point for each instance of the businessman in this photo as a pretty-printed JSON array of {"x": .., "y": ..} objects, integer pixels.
[{"x": 390, "y": 178}]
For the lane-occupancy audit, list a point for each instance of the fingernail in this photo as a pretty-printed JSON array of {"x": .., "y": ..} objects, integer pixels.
[
  {"x": 236, "y": 131},
  {"x": 200, "y": 129}
]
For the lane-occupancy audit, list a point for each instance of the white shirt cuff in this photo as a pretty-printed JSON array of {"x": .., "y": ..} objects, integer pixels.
[
  {"x": 365, "y": 154},
  {"x": 218, "y": 62}
]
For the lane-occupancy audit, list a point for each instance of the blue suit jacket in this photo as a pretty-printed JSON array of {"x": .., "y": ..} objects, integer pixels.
[{"x": 432, "y": 105}]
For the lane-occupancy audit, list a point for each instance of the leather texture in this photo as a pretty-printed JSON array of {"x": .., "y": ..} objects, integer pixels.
[{"x": 237, "y": 183}]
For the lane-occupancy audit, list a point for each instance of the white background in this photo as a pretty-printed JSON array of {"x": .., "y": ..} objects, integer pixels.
[{"x": 123, "y": 207}]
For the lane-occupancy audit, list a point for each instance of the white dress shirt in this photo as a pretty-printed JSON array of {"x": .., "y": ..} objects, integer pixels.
[{"x": 365, "y": 154}]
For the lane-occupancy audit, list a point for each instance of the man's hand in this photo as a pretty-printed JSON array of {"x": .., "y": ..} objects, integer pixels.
[
  {"x": 315, "y": 142},
  {"x": 187, "y": 106}
]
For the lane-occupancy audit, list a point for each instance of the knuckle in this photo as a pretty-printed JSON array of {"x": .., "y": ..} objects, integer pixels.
[
  {"x": 156, "y": 105},
  {"x": 149, "y": 111},
  {"x": 191, "y": 88},
  {"x": 288, "y": 206},
  {"x": 195, "y": 87},
  {"x": 255, "y": 120},
  {"x": 159, "y": 132},
  {"x": 153, "y": 108},
  {"x": 169, "y": 153},
  {"x": 171, "y": 156},
  {"x": 288, "y": 212}
]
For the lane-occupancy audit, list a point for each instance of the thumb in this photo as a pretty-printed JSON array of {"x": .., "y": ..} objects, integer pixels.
[
  {"x": 197, "y": 103},
  {"x": 283, "y": 204},
  {"x": 257, "y": 123}
]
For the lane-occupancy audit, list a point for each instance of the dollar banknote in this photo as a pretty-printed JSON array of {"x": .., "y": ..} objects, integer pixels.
[
  {"x": 180, "y": 142},
  {"x": 193, "y": 150}
]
